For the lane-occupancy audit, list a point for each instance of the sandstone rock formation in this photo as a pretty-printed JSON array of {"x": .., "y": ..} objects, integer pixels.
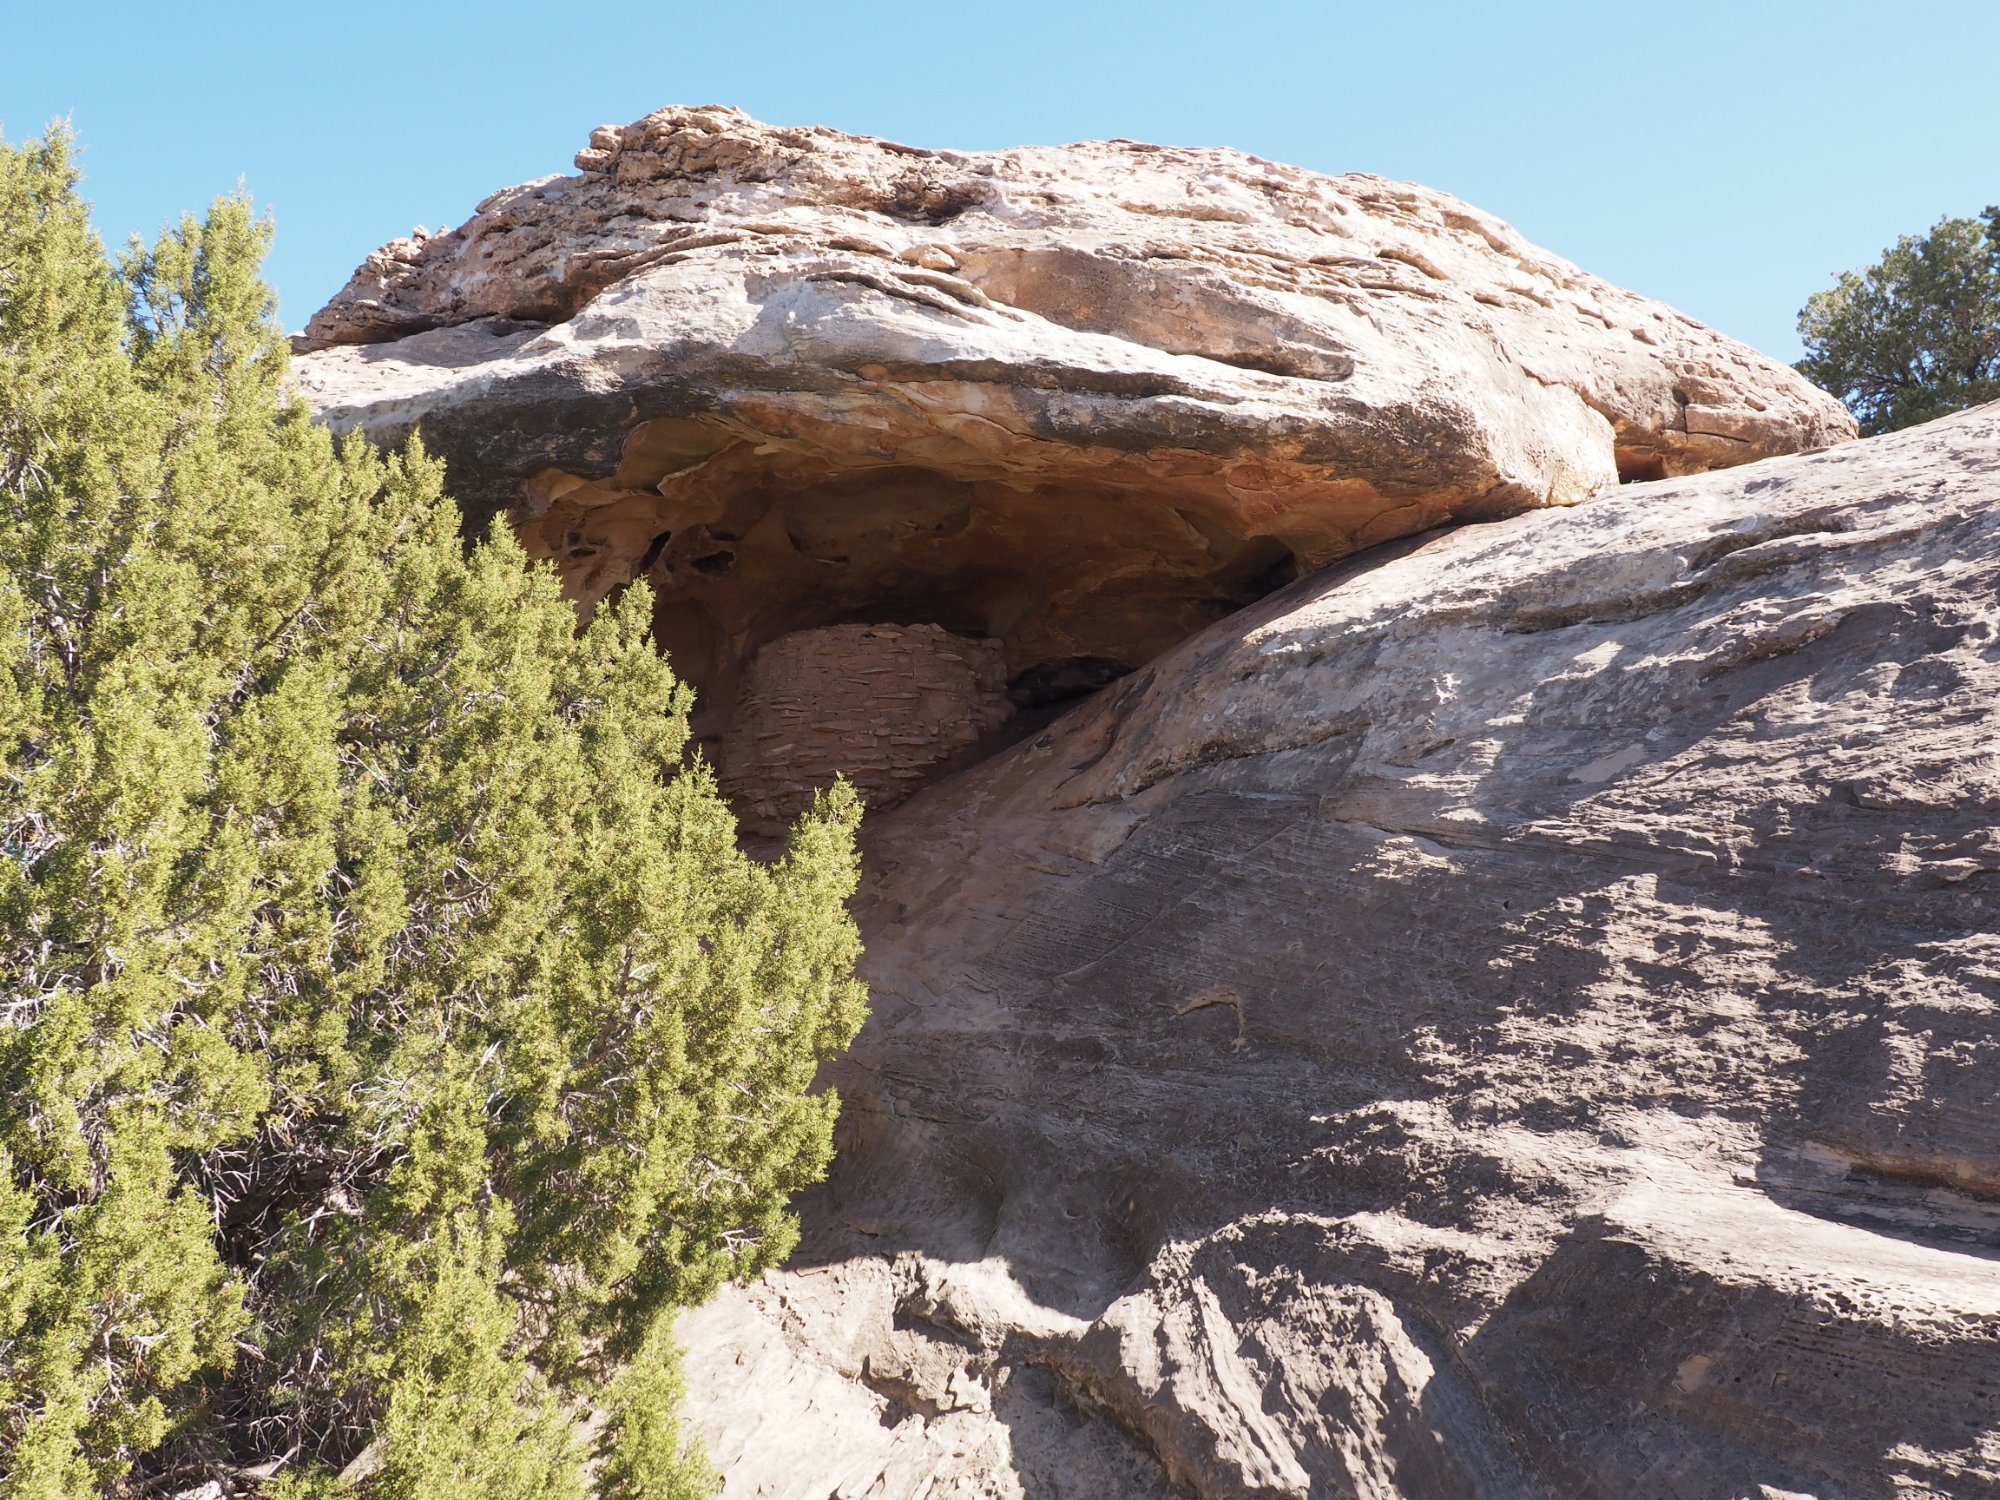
[
  {"x": 1509, "y": 1015},
  {"x": 1083, "y": 401},
  {"x": 1515, "y": 1015}
]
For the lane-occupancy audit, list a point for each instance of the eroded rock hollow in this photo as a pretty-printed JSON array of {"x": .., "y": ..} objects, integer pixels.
[{"x": 1080, "y": 402}]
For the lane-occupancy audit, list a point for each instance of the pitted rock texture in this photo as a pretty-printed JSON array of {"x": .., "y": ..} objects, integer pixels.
[
  {"x": 1514, "y": 1015},
  {"x": 1083, "y": 401},
  {"x": 882, "y": 705}
]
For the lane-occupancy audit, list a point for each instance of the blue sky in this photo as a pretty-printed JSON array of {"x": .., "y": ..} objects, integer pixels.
[{"x": 1726, "y": 158}]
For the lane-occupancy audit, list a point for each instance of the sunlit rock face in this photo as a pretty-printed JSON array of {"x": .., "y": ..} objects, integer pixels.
[
  {"x": 1080, "y": 401},
  {"x": 1515, "y": 1016}
]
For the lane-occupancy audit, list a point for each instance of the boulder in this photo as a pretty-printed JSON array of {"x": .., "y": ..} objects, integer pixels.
[
  {"x": 1082, "y": 401},
  {"x": 1514, "y": 1015}
]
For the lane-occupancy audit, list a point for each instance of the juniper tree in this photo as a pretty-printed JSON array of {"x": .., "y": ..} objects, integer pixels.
[
  {"x": 391, "y": 1034},
  {"x": 1917, "y": 334}
]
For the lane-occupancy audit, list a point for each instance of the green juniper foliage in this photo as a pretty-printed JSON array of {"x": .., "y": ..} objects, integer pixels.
[
  {"x": 1917, "y": 334},
  {"x": 391, "y": 1034}
]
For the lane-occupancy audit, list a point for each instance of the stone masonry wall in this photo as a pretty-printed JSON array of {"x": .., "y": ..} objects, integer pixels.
[{"x": 881, "y": 704}]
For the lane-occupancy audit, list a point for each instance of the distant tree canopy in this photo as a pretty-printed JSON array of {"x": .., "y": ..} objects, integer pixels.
[
  {"x": 1917, "y": 334},
  {"x": 391, "y": 1033}
]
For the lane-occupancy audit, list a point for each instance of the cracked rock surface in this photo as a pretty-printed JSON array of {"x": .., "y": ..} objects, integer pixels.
[
  {"x": 1082, "y": 401},
  {"x": 1513, "y": 1015}
]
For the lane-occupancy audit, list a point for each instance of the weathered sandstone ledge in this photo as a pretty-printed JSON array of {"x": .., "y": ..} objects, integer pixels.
[{"x": 1082, "y": 401}]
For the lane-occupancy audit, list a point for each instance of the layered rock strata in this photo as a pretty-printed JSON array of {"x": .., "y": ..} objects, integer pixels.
[
  {"x": 1514, "y": 1016},
  {"x": 1082, "y": 400}
]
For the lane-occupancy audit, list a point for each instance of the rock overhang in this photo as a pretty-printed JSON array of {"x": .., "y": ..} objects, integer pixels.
[{"x": 1079, "y": 401}]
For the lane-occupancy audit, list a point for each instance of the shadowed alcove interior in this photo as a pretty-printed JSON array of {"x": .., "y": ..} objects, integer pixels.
[{"x": 1040, "y": 592}]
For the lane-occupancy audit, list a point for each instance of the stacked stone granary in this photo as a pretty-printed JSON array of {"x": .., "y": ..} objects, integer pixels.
[{"x": 880, "y": 704}]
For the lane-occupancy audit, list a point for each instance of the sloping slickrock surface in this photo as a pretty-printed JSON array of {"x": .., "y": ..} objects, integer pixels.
[
  {"x": 1511, "y": 1018},
  {"x": 1082, "y": 400}
]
